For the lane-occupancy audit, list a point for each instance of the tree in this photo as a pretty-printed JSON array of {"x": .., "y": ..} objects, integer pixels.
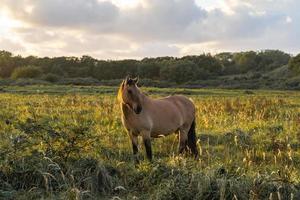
[
  {"x": 294, "y": 64},
  {"x": 180, "y": 72},
  {"x": 26, "y": 72},
  {"x": 227, "y": 63},
  {"x": 148, "y": 70},
  {"x": 246, "y": 61},
  {"x": 7, "y": 64},
  {"x": 271, "y": 59},
  {"x": 57, "y": 69},
  {"x": 206, "y": 62}
]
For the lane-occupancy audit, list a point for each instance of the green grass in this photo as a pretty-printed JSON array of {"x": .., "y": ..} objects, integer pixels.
[{"x": 67, "y": 142}]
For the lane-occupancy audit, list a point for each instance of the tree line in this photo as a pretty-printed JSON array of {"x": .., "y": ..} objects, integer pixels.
[{"x": 173, "y": 69}]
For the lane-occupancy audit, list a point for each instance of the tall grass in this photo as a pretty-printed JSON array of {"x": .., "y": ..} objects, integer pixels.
[{"x": 73, "y": 146}]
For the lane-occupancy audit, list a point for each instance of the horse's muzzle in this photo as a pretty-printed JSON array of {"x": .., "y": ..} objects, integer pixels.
[{"x": 138, "y": 110}]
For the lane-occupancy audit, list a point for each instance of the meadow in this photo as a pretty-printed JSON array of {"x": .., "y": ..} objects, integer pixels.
[{"x": 68, "y": 142}]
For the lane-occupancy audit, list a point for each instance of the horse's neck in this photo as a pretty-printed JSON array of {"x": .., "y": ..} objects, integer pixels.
[
  {"x": 145, "y": 99},
  {"x": 125, "y": 110}
]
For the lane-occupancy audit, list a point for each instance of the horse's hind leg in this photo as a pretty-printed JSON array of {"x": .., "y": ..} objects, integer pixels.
[{"x": 192, "y": 139}]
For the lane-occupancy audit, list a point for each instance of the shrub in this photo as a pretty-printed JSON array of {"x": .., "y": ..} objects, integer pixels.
[
  {"x": 26, "y": 72},
  {"x": 79, "y": 81},
  {"x": 294, "y": 64},
  {"x": 51, "y": 77},
  {"x": 255, "y": 75},
  {"x": 26, "y": 81},
  {"x": 293, "y": 83}
]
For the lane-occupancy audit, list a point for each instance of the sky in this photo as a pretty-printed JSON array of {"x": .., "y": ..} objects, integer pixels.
[{"x": 120, "y": 29}]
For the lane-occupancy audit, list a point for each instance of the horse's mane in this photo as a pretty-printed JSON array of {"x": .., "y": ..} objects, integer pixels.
[{"x": 119, "y": 97}]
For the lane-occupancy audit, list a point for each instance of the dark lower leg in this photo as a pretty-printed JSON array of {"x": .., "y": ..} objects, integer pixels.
[
  {"x": 182, "y": 147},
  {"x": 135, "y": 149},
  {"x": 193, "y": 148},
  {"x": 147, "y": 143}
]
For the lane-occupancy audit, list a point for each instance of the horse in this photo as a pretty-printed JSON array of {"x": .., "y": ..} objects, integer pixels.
[{"x": 153, "y": 118}]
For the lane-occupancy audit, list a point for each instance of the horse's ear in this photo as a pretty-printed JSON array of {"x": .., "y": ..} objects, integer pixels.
[
  {"x": 136, "y": 80},
  {"x": 127, "y": 79}
]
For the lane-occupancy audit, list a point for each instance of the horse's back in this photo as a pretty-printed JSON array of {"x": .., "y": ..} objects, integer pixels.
[
  {"x": 184, "y": 104},
  {"x": 170, "y": 113},
  {"x": 183, "y": 99}
]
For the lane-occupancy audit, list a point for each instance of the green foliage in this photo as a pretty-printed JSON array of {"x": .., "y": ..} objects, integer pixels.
[
  {"x": 293, "y": 83},
  {"x": 186, "y": 69},
  {"x": 180, "y": 72},
  {"x": 51, "y": 77},
  {"x": 148, "y": 70},
  {"x": 271, "y": 59},
  {"x": 57, "y": 70},
  {"x": 243, "y": 62},
  {"x": 246, "y": 61},
  {"x": 26, "y": 72},
  {"x": 79, "y": 81},
  {"x": 294, "y": 64},
  {"x": 7, "y": 64},
  {"x": 205, "y": 62}
]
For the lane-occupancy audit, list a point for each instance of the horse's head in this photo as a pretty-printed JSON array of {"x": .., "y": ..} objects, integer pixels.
[{"x": 130, "y": 94}]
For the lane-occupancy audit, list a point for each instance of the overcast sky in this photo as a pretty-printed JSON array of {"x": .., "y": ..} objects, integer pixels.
[{"x": 118, "y": 29}]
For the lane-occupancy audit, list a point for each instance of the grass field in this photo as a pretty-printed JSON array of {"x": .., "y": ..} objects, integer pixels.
[{"x": 65, "y": 142}]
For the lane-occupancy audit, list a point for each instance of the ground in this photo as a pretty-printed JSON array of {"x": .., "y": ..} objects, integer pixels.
[{"x": 67, "y": 142}]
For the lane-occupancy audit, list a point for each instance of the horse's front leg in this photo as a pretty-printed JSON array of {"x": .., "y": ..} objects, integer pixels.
[
  {"x": 147, "y": 142},
  {"x": 182, "y": 140},
  {"x": 135, "y": 149}
]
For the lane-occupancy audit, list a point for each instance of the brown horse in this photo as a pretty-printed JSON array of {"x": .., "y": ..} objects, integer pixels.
[{"x": 148, "y": 117}]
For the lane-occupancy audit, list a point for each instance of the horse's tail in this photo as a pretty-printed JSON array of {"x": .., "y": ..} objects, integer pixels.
[{"x": 192, "y": 139}]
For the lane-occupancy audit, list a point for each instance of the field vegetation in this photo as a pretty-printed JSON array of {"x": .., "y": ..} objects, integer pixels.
[{"x": 67, "y": 142}]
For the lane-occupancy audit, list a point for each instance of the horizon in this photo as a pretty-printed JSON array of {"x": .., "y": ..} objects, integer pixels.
[
  {"x": 136, "y": 29},
  {"x": 154, "y": 57}
]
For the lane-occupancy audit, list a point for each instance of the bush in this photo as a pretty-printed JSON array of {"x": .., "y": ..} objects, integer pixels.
[
  {"x": 255, "y": 75},
  {"x": 26, "y": 81},
  {"x": 294, "y": 64},
  {"x": 51, "y": 77},
  {"x": 79, "y": 81},
  {"x": 26, "y": 72},
  {"x": 293, "y": 83},
  {"x": 5, "y": 82}
]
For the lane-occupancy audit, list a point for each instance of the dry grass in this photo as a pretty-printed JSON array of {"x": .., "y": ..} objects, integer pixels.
[{"x": 73, "y": 146}]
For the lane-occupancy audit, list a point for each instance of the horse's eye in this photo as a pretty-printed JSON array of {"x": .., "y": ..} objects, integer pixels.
[{"x": 129, "y": 92}]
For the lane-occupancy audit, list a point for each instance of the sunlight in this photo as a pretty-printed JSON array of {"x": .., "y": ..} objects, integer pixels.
[
  {"x": 6, "y": 24},
  {"x": 125, "y": 3},
  {"x": 210, "y": 5}
]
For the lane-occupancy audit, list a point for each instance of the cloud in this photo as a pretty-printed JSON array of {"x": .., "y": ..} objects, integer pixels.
[
  {"x": 63, "y": 13},
  {"x": 10, "y": 45},
  {"x": 161, "y": 20},
  {"x": 151, "y": 20},
  {"x": 154, "y": 27}
]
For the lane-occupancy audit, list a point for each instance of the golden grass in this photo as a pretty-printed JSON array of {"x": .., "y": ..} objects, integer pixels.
[{"x": 248, "y": 144}]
